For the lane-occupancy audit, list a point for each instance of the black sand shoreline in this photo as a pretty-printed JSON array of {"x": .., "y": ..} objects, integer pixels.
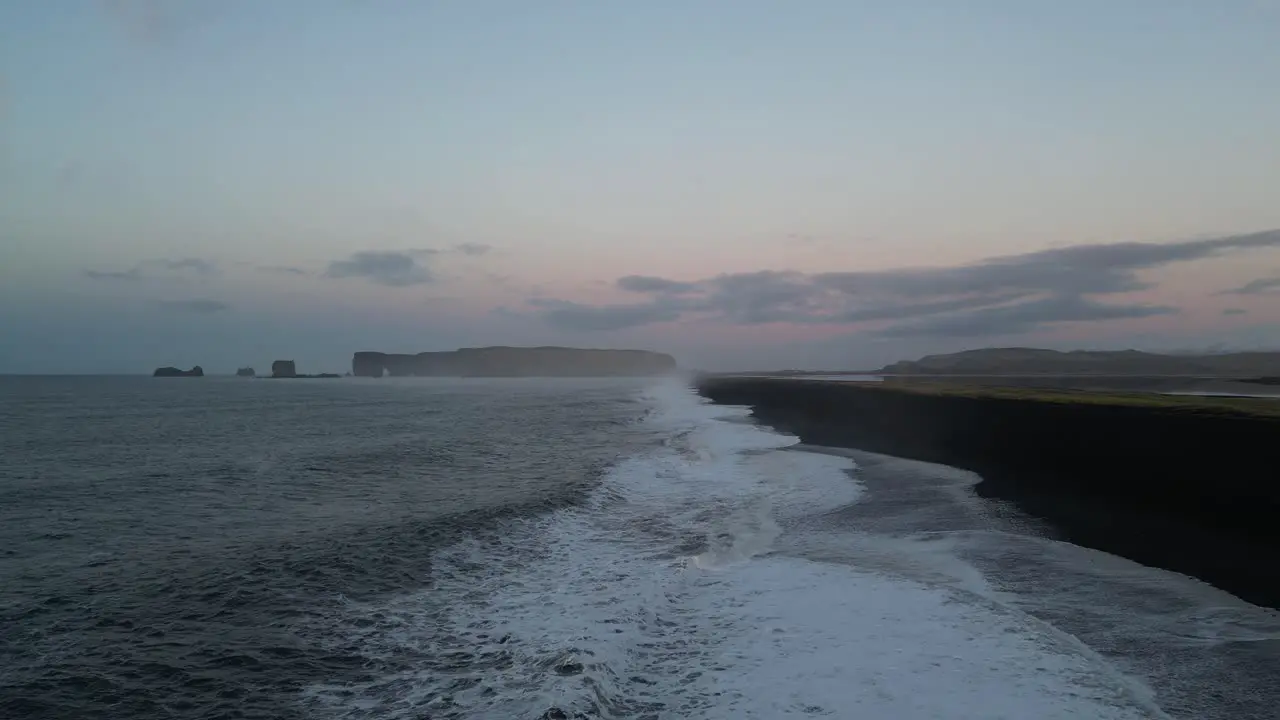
[{"x": 1190, "y": 485}]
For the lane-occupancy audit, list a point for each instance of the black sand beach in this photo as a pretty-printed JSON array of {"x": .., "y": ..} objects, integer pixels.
[{"x": 1181, "y": 482}]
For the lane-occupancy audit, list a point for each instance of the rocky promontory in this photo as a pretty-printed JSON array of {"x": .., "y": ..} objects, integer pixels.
[
  {"x": 284, "y": 369},
  {"x": 515, "y": 362},
  {"x": 196, "y": 371},
  {"x": 289, "y": 369},
  {"x": 1186, "y": 484}
]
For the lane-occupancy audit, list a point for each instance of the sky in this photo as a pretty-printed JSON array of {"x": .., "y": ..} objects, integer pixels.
[{"x": 746, "y": 184}]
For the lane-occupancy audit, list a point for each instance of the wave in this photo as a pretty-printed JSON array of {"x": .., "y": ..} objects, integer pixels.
[{"x": 664, "y": 595}]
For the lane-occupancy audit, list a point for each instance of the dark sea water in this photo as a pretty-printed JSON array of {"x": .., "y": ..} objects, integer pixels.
[{"x": 413, "y": 548}]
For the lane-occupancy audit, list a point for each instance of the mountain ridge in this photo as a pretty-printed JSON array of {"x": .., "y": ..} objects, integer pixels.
[{"x": 1040, "y": 361}]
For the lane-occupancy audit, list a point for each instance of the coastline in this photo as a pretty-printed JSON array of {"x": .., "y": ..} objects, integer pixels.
[{"x": 1183, "y": 483}]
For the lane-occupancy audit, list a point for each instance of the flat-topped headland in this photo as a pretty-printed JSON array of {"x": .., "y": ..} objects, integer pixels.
[
  {"x": 515, "y": 362},
  {"x": 1190, "y": 484}
]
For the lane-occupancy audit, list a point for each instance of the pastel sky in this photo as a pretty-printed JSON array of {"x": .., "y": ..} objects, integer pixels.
[{"x": 744, "y": 183}]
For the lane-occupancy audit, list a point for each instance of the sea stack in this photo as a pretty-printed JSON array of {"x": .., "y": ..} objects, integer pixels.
[
  {"x": 245, "y": 372},
  {"x": 284, "y": 369}
]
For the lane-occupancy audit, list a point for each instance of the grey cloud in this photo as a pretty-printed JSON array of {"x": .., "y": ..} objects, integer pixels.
[
  {"x": 1020, "y": 318},
  {"x": 651, "y": 284},
  {"x": 763, "y": 297},
  {"x": 1036, "y": 272},
  {"x": 1261, "y": 286},
  {"x": 130, "y": 274},
  {"x": 1079, "y": 269},
  {"x": 199, "y": 306},
  {"x": 1134, "y": 255},
  {"x": 1235, "y": 311},
  {"x": 196, "y": 265},
  {"x": 399, "y": 268},
  {"x": 909, "y": 310},
  {"x": 473, "y": 249},
  {"x": 139, "y": 271},
  {"x": 282, "y": 270},
  {"x": 390, "y": 268},
  {"x": 1008, "y": 294}
]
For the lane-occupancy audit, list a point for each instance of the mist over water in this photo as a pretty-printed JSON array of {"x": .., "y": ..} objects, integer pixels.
[{"x": 563, "y": 549}]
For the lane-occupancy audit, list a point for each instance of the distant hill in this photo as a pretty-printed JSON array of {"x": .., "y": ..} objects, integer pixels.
[
  {"x": 1034, "y": 361},
  {"x": 515, "y": 362}
]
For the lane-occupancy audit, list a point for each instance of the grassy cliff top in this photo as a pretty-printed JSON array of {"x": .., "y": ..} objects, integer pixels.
[
  {"x": 1256, "y": 407},
  {"x": 1036, "y": 361}
]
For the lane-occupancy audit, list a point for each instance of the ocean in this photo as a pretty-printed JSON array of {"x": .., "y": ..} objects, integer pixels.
[{"x": 429, "y": 548}]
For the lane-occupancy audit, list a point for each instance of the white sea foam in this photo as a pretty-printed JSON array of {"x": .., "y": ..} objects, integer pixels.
[{"x": 664, "y": 597}]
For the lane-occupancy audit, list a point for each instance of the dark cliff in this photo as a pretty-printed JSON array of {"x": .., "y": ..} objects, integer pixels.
[
  {"x": 1163, "y": 481},
  {"x": 196, "y": 371},
  {"x": 515, "y": 362},
  {"x": 284, "y": 369}
]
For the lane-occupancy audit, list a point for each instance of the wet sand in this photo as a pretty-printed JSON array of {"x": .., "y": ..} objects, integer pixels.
[{"x": 1182, "y": 483}]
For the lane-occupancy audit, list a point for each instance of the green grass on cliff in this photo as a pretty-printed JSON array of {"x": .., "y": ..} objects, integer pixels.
[{"x": 1200, "y": 404}]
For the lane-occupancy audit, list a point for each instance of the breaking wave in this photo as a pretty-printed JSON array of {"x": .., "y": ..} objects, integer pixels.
[{"x": 661, "y": 596}]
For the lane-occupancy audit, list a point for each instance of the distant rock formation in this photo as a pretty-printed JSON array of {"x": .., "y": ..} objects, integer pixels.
[
  {"x": 1033, "y": 361},
  {"x": 284, "y": 369},
  {"x": 245, "y": 372},
  {"x": 515, "y": 362},
  {"x": 289, "y": 369},
  {"x": 196, "y": 371}
]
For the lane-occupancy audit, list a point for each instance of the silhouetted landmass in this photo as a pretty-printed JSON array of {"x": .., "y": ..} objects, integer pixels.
[
  {"x": 289, "y": 369},
  {"x": 245, "y": 372},
  {"x": 515, "y": 362},
  {"x": 284, "y": 369},
  {"x": 1263, "y": 380},
  {"x": 196, "y": 371},
  {"x": 1033, "y": 361},
  {"x": 1187, "y": 484}
]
